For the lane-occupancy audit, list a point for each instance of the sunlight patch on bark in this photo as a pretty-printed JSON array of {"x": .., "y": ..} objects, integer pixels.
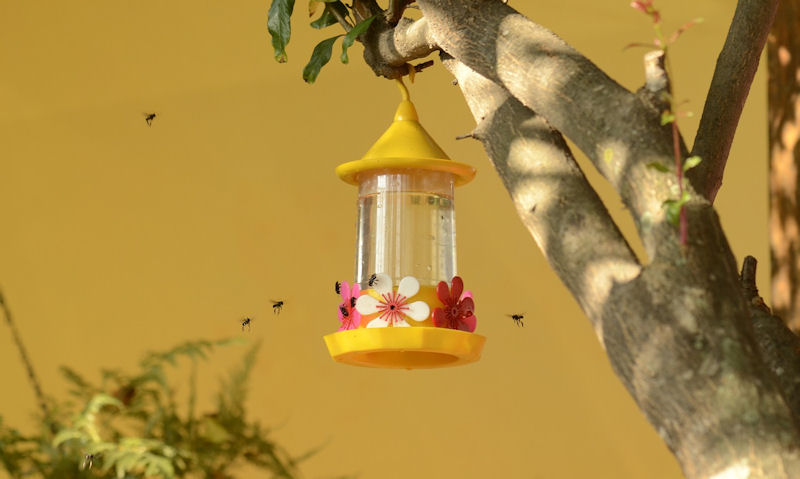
[
  {"x": 737, "y": 471},
  {"x": 544, "y": 53},
  {"x": 599, "y": 278},
  {"x": 615, "y": 157}
]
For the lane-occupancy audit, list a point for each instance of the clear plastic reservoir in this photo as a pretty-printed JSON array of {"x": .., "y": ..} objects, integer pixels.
[{"x": 406, "y": 226}]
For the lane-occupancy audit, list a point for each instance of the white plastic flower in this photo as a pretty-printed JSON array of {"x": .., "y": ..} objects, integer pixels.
[{"x": 394, "y": 306}]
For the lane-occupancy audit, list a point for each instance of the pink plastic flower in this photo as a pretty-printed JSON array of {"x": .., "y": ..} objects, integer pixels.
[
  {"x": 348, "y": 315},
  {"x": 394, "y": 306},
  {"x": 459, "y": 309}
]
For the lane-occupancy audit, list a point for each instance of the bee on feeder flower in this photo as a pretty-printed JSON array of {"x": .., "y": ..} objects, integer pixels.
[
  {"x": 517, "y": 319},
  {"x": 343, "y": 310},
  {"x": 276, "y": 306},
  {"x": 352, "y": 302},
  {"x": 338, "y": 287},
  {"x": 372, "y": 280}
]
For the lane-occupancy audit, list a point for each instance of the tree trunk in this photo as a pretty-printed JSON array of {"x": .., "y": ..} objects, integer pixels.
[
  {"x": 783, "y": 60},
  {"x": 711, "y": 370}
]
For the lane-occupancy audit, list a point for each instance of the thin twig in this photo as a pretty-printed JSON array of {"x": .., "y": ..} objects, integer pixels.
[
  {"x": 37, "y": 388},
  {"x": 676, "y": 147},
  {"x": 395, "y": 11},
  {"x": 339, "y": 18},
  {"x": 421, "y": 66}
]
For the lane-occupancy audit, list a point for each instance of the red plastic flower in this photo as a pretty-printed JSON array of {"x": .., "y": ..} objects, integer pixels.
[{"x": 459, "y": 309}]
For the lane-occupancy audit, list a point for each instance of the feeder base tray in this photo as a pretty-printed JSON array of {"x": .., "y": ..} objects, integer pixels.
[{"x": 405, "y": 348}]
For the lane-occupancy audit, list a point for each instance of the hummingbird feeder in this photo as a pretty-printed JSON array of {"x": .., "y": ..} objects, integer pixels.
[{"x": 407, "y": 307}]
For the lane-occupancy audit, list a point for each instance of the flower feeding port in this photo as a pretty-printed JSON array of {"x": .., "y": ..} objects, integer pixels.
[{"x": 407, "y": 308}]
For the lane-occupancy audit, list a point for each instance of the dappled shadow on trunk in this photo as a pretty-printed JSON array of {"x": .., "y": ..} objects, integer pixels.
[
  {"x": 557, "y": 205},
  {"x": 783, "y": 60}
]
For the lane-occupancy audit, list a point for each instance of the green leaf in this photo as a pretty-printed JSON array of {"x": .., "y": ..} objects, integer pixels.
[
  {"x": 319, "y": 58},
  {"x": 658, "y": 167},
  {"x": 673, "y": 212},
  {"x": 280, "y": 26},
  {"x": 691, "y": 162},
  {"x": 667, "y": 118},
  {"x": 99, "y": 401},
  {"x": 328, "y": 18},
  {"x": 65, "y": 435},
  {"x": 353, "y": 34}
]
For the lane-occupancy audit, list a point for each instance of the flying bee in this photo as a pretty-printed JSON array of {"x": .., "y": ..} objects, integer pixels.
[
  {"x": 246, "y": 322},
  {"x": 277, "y": 306},
  {"x": 352, "y": 302},
  {"x": 88, "y": 461},
  {"x": 338, "y": 287},
  {"x": 517, "y": 319},
  {"x": 343, "y": 310},
  {"x": 149, "y": 117},
  {"x": 372, "y": 280}
]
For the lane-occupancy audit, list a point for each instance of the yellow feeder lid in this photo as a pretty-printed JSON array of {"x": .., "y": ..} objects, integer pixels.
[
  {"x": 405, "y": 145},
  {"x": 405, "y": 348}
]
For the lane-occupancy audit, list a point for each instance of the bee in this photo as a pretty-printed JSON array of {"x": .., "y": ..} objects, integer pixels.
[
  {"x": 352, "y": 302},
  {"x": 88, "y": 461},
  {"x": 372, "y": 280},
  {"x": 246, "y": 322},
  {"x": 149, "y": 117},
  {"x": 277, "y": 306},
  {"x": 517, "y": 319},
  {"x": 338, "y": 287},
  {"x": 343, "y": 310}
]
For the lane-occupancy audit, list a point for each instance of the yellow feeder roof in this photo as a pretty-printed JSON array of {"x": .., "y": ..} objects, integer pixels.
[{"x": 405, "y": 145}]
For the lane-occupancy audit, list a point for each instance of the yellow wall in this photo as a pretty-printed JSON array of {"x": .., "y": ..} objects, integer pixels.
[{"x": 116, "y": 238}]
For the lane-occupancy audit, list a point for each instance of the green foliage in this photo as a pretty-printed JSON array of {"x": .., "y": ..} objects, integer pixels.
[
  {"x": 660, "y": 167},
  {"x": 674, "y": 208},
  {"x": 328, "y": 18},
  {"x": 130, "y": 426},
  {"x": 335, "y": 12},
  {"x": 319, "y": 58},
  {"x": 691, "y": 162},
  {"x": 280, "y": 26},
  {"x": 353, "y": 34}
]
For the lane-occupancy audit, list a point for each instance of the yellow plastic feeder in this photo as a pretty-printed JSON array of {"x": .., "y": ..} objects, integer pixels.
[{"x": 407, "y": 307}]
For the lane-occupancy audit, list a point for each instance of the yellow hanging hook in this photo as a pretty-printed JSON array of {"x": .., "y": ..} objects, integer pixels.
[
  {"x": 403, "y": 89},
  {"x": 406, "y": 110}
]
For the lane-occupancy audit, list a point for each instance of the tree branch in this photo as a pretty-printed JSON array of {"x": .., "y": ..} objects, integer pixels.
[
  {"x": 388, "y": 49},
  {"x": 687, "y": 359},
  {"x": 395, "y": 11},
  {"x": 736, "y": 67},
  {"x": 551, "y": 194},
  {"x": 619, "y": 131},
  {"x": 678, "y": 332},
  {"x": 657, "y": 86}
]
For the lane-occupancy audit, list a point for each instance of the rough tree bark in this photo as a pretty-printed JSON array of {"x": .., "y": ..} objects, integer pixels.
[
  {"x": 783, "y": 62},
  {"x": 709, "y": 367}
]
